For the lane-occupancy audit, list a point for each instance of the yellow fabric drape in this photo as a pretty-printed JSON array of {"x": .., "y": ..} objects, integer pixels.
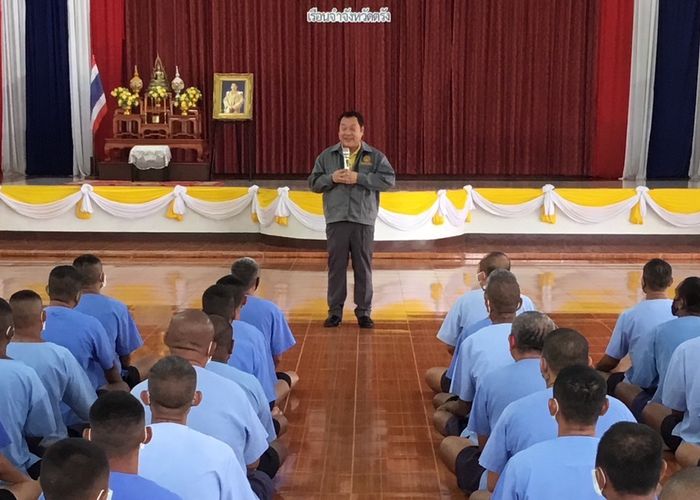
[
  {"x": 596, "y": 197},
  {"x": 408, "y": 202},
  {"x": 309, "y": 202},
  {"x": 39, "y": 195},
  {"x": 509, "y": 196},
  {"x": 266, "y": 197},
  {"x": 217, "y": 194},
  {"x": 132, "y": 195},
  {"x": 678, "y": 201}
]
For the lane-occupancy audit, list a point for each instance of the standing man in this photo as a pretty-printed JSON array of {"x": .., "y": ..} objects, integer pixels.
[{"x": 350, "y": 175}]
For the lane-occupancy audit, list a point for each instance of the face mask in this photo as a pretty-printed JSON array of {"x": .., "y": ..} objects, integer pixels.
[
  {"x": 596, "y": 485},
  {"x": 209, "y": 351},
  {"x": 43, "y": 326},
  {"x": 104, "y": 281},
  {"x": 108, "y": 495}
]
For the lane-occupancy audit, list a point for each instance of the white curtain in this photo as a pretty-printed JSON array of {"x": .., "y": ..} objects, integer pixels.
[
  {"x": 14, "y": 67},
  {"x": 641, "y": 102},
  {"x": 79, "y": 57}
]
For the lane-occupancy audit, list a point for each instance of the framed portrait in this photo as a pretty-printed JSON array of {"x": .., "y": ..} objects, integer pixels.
[{"x": 233, "y": 96}]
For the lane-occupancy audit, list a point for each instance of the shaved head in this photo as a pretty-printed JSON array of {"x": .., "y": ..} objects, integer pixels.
[
  {"x": 90, "y": 268},
  {"x": 492, "y": 261},
  {"x": 246, "y": 270},
  {"x": 503, "y": 291},
  {"x": 223, "y": 333},
  {"x": 26, "y": 308},
  {"x": 171, "y": 383},
  {"x": 190, "y": 330},
  {"x": 683, "y": 485}
]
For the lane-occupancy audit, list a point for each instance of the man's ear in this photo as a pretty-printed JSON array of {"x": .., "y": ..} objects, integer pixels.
[
  {"x": 197, "y": 399},
  {"x": 511, "y": 341},
  {"x": 148, "y": 434},
  {"x": 605, "y": 408},
  {"x": 145, "y": 398}
]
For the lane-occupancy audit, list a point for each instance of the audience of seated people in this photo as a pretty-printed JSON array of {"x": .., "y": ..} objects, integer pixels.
[{"x": 528, "y": 417}]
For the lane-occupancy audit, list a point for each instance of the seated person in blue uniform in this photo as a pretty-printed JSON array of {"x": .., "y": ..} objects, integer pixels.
[
  {"x": 185, "y": 461},
  {"x": 637, "y": 322},
  {"x": 683, "y": 485},
  {"x": 263, "y": 313},
  {"x": 469, "y": 310},
  {"x": 76, "y": 469},
  {"x": 561, "y": 467},
  {"x": 527, "y": 421},
  {"x": 114, "y": 316},
  {"x": 646, "y": 383},
  {"x": 83, "y": 335},
  {"x": 65, "y": 381},
  {"x": 25, "y": 411},
  {"x": 497, "y": 390},
  {"x": 118, "y": 427},
  {"x": 269, "y": 317},
  {"x": 481, "y": 353},
  {"x": 225, "y": 412},
  {"x": 629, "y": 463},
  {"x": 678, "y": 419},
  {"x": 14, "y": 484},
  {"x": 226, "y": 343},
  {"x": 252, "y": 353}
]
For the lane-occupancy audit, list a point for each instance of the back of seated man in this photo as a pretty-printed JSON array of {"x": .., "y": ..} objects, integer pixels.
[
  {"x": 187, "y": 462},
  {"x": 14, "y": 484},
  {"x": 64, "y": 379},
  {"x": 469, "y": 310},
  {"x": 561, "y": 467},
  {"x": 271, "y": 461},
  {"x": 225, "y": 413},
  {"x": 25, "y": 411},
  {"x": 638, "y": 322},
  {"x": 678, "y": 420},
  {"x": 497, "y": 390},
  {"x": 263, "y": 314},
  {"x": 118, "y": 427},
  {"x": 481, "y": 353},
  {"x": 527, "y": 421},
  {"x": 683, "y": 485},
  {"x": 655, "y": 351},
  {"x": 75, "y": 469},
  {"x": 83, "y": 335},
  {"x": 252, "y": 354},
  {"x": 113, "y": 314},
  {"x": 629, "y": 463}
]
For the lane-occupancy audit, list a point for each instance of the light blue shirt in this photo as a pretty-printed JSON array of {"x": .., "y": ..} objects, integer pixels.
[
  {"x": 134, "y": 487},
  {"x": 253, "y": 390},
  {"x": 480, "y": 353},
  {"x": 251, "y": 354},
  {"x": 682, "y": 389},
  {"x": 116, "y": 319},
  {"x": 470, "y": 330},
  {"x": 4, "y": 438},
  {"x": 193, "y": 465},
  {"x": 269, "y": 319},
  {"x": 467, "y": 310},
  {"x": 656, "y": 349},
  {"x": 86, "y": 339},
  {"x": 64, "y": 379},
  {"x": 25, "y": 411},
  {"x": 527, "y": 421},
  {"x": 634, "y": 324},
  {"x": 500, "y": 388},
  {"x": 224, "y": 414},
  {"x": 556, "y": 469}
]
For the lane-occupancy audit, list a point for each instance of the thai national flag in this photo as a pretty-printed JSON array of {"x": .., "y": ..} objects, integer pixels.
[{"x": 98, "y": 101}]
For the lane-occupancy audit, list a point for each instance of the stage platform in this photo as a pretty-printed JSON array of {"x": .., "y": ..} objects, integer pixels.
[{"x": 413, "y": 212}]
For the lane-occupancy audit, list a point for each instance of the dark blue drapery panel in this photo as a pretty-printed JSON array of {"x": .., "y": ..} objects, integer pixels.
[
  {"x": 675, "y": 85},
  {"x": 49, "y": 138}
]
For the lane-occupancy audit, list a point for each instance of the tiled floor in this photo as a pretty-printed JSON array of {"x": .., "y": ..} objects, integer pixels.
[{"x": 360, "y": 423}]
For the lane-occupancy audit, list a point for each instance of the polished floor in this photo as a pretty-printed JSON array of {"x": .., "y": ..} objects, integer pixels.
[{"x": 360, "y": 418}]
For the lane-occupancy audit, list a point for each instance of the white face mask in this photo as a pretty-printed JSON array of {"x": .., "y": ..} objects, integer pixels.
[
  {"x": 596, "y": 485},
  {"x": 108, "y": 495},
  {"x": 104, "y": 281}
]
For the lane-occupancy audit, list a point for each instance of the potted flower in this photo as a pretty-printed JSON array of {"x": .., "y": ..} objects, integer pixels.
[
  {"x": 126, "y": 99},
  {"x": 157, "y": 93},
  {"x": 188, "y": 99}
]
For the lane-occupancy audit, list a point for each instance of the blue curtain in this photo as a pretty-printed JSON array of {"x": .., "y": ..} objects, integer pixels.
[
  {"x": 49, "y": 138},
  {"x": 675, "y": 86}
]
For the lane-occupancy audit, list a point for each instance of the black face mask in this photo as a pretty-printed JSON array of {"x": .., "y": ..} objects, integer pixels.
[{"x": 674, "y": 308}]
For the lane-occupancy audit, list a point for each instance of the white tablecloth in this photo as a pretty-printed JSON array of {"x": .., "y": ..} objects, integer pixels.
[{"x": 148, "y": 157}]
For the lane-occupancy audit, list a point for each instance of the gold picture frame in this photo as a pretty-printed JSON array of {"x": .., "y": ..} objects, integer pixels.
[{"x": 233, "y": 96}]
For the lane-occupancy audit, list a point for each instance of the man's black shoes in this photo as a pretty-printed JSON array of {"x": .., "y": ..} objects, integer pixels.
[
  {"x": 365, "y": 322},
  {"x": 332, "y": 321}
]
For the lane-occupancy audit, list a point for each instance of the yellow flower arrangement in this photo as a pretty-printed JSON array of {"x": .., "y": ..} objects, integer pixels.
[
  {"x": 126, "y": 99},
  {"x": 158, "y": 93},
  {"x": 188, "y": 99}
]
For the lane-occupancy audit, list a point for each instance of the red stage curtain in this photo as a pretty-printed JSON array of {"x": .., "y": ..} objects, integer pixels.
[
  {"x": 107, "y": 39},
  {"x": 504, "y": 87},
  {"x": 613, "y": 86}
]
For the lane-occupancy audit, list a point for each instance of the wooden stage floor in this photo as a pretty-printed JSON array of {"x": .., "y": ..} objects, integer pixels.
[{"x": 360, "y": 418}]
